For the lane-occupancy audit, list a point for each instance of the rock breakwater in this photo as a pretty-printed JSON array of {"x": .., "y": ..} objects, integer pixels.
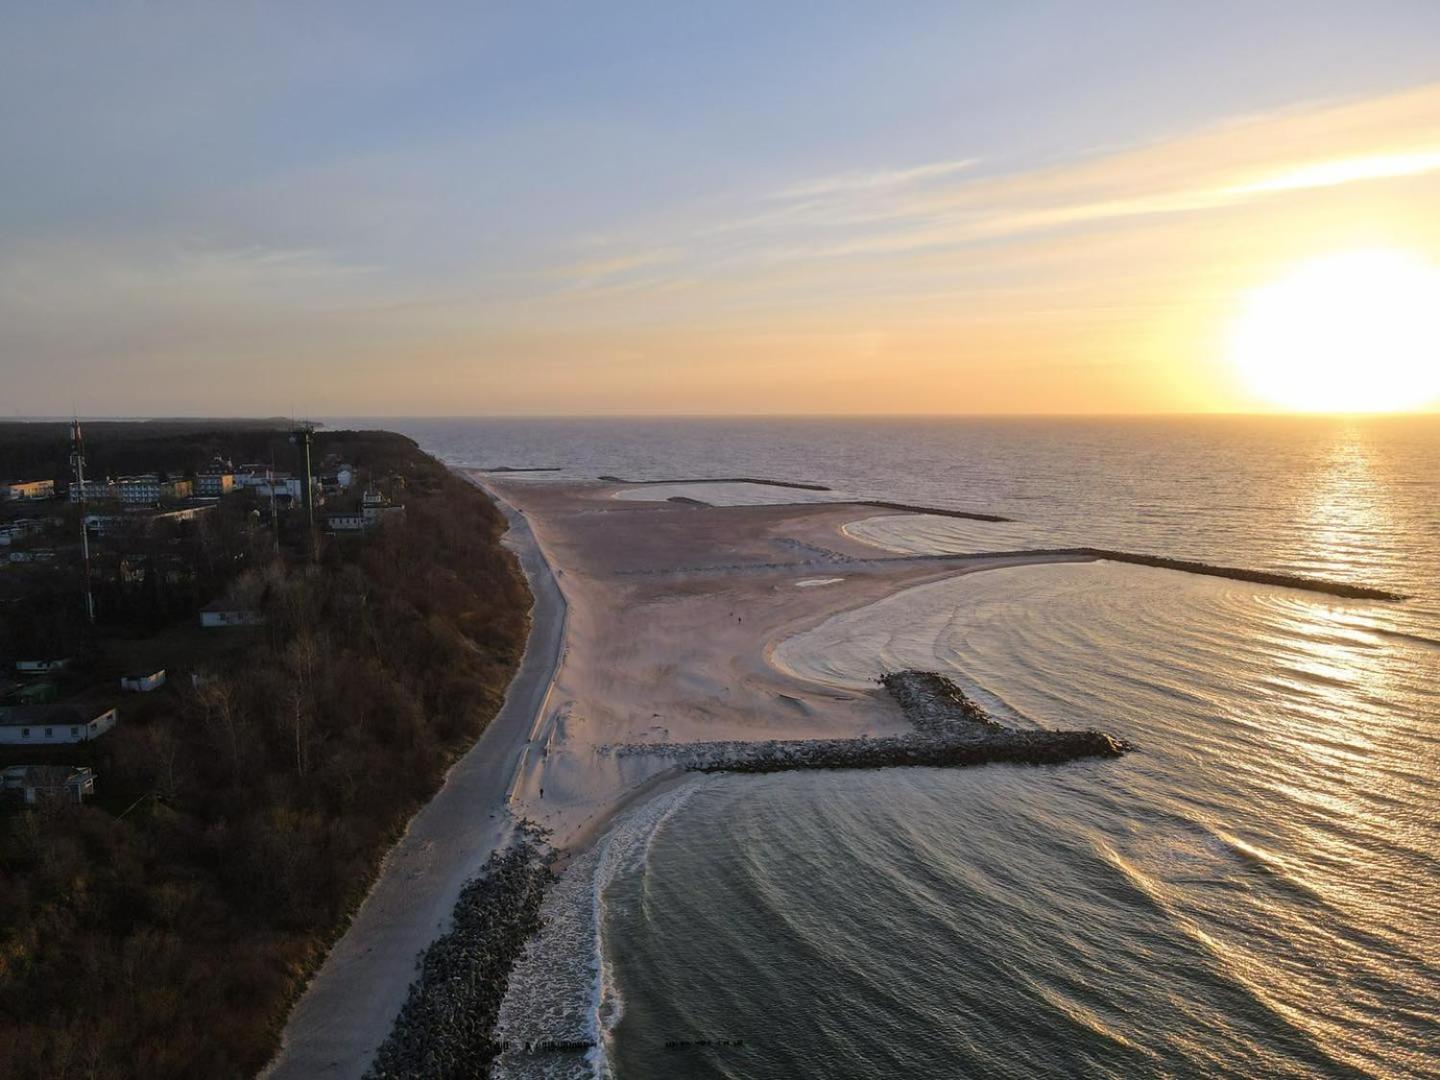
[
  {"x": 445, "y": 1027},
  {"x": 951, "y": 731}
]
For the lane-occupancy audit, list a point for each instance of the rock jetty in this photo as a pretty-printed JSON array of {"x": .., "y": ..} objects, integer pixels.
[
  {"x": 445, "y": 1027},
  {"x": 933, "y": 703},
  {"x": 951, "y": 731},
  {"x": 1279, "y": 579},
  {"x": 799, "y": 485}
]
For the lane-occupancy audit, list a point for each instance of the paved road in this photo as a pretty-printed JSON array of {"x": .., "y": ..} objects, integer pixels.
[{"x": 348, "y": 1009}]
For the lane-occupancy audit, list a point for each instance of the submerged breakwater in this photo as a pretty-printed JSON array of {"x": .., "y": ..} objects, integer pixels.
[
  {"x": 951, "y": 731},
  {"x": 1190, "y": 566},
  {"x": 445, "y": 1028}
]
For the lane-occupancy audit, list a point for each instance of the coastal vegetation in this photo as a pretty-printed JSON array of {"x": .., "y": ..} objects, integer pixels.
[{"x": 164, "y": 929}]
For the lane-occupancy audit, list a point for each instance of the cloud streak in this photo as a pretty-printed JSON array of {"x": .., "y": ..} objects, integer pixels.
[{"x": 954, "y": 203}]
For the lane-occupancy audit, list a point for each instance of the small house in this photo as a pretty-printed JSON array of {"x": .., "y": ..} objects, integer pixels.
[
  {"x": 142, "y": 682},
  {"x": 50, "y": 725},
  {"x": 35, "y": 784}
]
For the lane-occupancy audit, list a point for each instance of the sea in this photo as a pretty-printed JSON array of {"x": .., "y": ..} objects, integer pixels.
[{"x": 1253, "y": 892}]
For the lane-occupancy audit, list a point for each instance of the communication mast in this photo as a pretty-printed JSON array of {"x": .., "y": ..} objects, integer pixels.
[
  {"x": 77, "y": 472},
  {"x": 301, "y": 436}
]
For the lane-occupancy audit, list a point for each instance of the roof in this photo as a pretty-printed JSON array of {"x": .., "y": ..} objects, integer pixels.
[
  {"x": 61, "y": 715},
  {"x": 46, "y": 775}
]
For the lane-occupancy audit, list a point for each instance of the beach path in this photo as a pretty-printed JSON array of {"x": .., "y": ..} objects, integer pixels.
[{"x": 350, "y": 1005}]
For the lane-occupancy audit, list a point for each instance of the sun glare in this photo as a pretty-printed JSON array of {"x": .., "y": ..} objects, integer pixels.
[{"x": 1356, "y": 332}]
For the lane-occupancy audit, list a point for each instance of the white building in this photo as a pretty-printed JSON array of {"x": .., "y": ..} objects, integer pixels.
[
  {"x": 48, "y": 725},
  {"x": 147, "y": 490},
  {"x": 376, "y": 506},
  {"x": 42, "y": 667},
  {"x": 19, "y": 529},
  {"x": 142, "y": 682},
  {"x": 221, "y": 613},
  {"x": 34, "y": 784},
  {"x": 30, "y": 490},
  {"x": 214, "y": 483},
  {"x": 95, "y": 491},
  {"x": 349, "y": 521}
]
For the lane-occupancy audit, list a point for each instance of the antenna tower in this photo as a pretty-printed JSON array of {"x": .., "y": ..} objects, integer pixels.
[{"x": 77, "y": 471}]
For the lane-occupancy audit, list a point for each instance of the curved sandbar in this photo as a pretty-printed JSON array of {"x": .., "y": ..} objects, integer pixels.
[{"x": 350, "y": 1005}]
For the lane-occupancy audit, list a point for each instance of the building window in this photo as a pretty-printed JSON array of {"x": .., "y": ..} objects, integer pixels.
[
  {"x": 74, "y": 731},
  {"x": 24, "y": 732},
  {"x": 49, "y": 732}
]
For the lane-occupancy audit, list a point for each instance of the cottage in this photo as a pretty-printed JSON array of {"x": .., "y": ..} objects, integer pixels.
[
  {"x": 46, "y": 725},
  {"x": 142, "y": 682},
  {"x": 34, "y": 784}
]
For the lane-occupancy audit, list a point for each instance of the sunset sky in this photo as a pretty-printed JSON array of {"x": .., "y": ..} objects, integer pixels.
[{"x": 678, "y": 208}]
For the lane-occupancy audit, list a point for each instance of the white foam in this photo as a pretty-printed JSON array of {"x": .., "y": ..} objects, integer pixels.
[{"x": 562, "y": 989}]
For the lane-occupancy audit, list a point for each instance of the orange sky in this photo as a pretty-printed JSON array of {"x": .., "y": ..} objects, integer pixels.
[{"x": 948, "y": 265}]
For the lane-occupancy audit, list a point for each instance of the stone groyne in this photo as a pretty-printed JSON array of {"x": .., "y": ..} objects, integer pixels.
[
  {"x": 1277, "y": 578},
  {"x": 933, "y": 703},
  {"x": 951, "y": 731},
  {"x": 935, "y": 511},
  {"x": 445, "y": 1028},
  {"x": 799, "y": 485}
]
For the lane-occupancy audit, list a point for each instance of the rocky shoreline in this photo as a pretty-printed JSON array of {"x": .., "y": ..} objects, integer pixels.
[{"x": 445, "y": 1029}]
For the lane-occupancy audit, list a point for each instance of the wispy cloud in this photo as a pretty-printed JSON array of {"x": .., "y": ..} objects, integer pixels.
[
  {"x": 1323, "y": 174},
  {"x": 881, "y": 180},
  {"x": 956, "y": 203}
]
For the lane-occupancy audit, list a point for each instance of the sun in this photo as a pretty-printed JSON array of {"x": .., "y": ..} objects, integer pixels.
[{"x": 1355, "y": 332}]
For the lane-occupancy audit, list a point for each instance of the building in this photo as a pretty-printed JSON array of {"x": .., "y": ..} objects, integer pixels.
[
  {"x": 223, "y": 613},
  {"x": 148, "y": 490},
  {"x": 142, "y": 682},
  {"x": 346, "y": 521},
  {"x": 376, "y": 507},
  {"x": 19, "y": 529},
  {"x": 94, "y": 491},
  {"x": 48, "y": 725},
  {"x": 30, "y": 490},
  {"x": 139, "y": 520},
  {"x": 214, "y": 483},
  {"x": 35, "y": 784},
  {"x": 31, "y": 668}
]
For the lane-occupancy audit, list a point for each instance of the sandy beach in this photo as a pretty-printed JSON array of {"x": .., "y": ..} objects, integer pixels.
[
  {"x": 653, "y": 623},
  {"x": 673, "y": 610}
]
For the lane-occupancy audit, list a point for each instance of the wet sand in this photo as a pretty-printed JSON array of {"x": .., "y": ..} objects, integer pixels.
[{"x": 673, "y": 609}]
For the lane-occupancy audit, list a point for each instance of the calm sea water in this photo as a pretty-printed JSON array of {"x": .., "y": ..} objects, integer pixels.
[{"x": 1252, "y": 893}]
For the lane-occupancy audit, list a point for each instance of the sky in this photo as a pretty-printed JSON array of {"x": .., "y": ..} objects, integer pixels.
[{"x": 639, "y": 208}]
